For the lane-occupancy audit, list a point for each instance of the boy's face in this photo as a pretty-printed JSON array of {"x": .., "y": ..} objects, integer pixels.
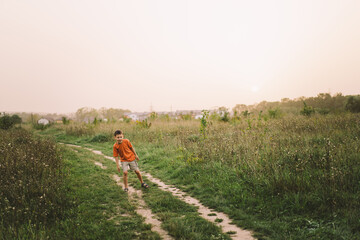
[{"x": 119, "y": 138}]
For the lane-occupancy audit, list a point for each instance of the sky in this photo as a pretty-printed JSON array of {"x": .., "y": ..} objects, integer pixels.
[{"x": 59, "y": 56}]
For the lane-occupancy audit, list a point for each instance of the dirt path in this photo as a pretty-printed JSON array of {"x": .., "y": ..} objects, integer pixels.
[
  {"x": 218, "y": 218},
  {"x": 143, "y": 210},
  {"x": 205, "y": 212},
  {"x": 135, "y": 196}
]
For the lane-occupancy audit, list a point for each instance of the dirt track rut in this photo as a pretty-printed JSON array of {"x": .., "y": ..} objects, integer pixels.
[{"x": 226, "y": 225}]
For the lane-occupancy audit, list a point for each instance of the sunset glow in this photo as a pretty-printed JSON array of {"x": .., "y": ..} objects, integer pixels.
[{"x": 58, "y": 56}]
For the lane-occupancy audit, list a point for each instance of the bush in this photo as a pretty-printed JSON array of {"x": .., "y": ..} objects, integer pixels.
[
  {"x": 7, "y": 122},
  {"x": 274, "y": 113},
  {"x": 307, "y": 110},
  {"x": 38, "y": 126},
  {"x": 323, "y": 111},
  {"x": 31, "y": 181},
  {"x": 143, "y": 124},
  {"x": 353, "y": 104},
  {"x": 65, "y": 121}
]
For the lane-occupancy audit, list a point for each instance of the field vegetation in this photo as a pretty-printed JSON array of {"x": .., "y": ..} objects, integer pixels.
[
  {"x": 289, "y": 176},
  {"x": 288, "y": 170}
]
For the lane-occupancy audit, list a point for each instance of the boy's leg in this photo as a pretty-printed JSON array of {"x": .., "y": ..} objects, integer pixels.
[
  {"x": 138, "y": 174},
  {"x": 125, "y": 178}
]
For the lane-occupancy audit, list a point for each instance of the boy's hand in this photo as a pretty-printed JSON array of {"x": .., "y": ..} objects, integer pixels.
[
  {"x": 137, "y": 157},
  {"x": 118, "y": 168}
]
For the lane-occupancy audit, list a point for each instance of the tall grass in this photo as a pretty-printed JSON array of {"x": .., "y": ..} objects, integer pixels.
[
  {"x": 299, "y": 164},
  {"x": 31, "y": 183}
]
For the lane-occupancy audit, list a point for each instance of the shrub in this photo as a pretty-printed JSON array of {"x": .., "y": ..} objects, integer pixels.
[
  {"x": 353, "y": 104},
  {"x": 31, "y": 180},
  {"x": 38, "y": 126},
  {"x": 274, "y": 113},
  {"x": 307, "y": 110},
  {"x": 204, "y": 122},
  {"x": 323, "y": 111},
  {"x": 65, "y": 121},
  {"x": 143, "y": 124},
  {"x": 7, "y": 122}
]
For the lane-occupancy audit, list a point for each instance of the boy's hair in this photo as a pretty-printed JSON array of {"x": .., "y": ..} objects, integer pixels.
[{"x": 117, "y": 132}]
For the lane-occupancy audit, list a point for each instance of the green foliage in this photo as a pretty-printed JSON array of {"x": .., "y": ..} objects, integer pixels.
[
  {"x": 80, "y": 129},
  {"x": 143, "y": 124},
  {"x": 7, "y": 122},
  {"x": 102, "y": 137},
  {"x": 65, "y": 121},
  {"x": 153, "y": 116},
  {"x": 323, "y": 111},
  {"x": 186, "y": 116},
  {"x": 334, "y": 103},
  {"x": 245, "y": 113},
  {"x": 165, "y": 117},
  {"x": 307, "y": 110},
  {"x": 288, "y": 178},
  {"x": 204, "y": 122},
  {"x": 31, "y": 181},
  {"x": 96, "y": 121},
  {"x": 224, "y": 114},
  {"x": 39, "y": 126},
  {"x": 194, "y": 138},
  {"x": 127, "y": 120},
  {"x": 353, "y": 104},
  {"x": 16, "y": 119},
  {"x": 274, "y": 113}
]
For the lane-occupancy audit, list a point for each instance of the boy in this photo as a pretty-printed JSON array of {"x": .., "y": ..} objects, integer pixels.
[{"x": 124, "y": 150}]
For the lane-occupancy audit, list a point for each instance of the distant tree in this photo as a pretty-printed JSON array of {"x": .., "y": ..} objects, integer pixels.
[
  {"x": 353, "y": 104},
  {"x": 239, "y": 108},
  {"x": 16, "y": 119},
  {"x": 246, "y": 113},
  {"x": 153, "y": 116},
  {"x": 7, "y": 122},
  {"x": 274, "y": 113},
  {"x": 65, "y": 121},
  {"x": 307, "y": 110},
  {"x": 224, "y": 114}
]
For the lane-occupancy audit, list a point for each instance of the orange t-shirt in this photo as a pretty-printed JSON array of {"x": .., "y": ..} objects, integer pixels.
[{"x": 124, "y": 151}]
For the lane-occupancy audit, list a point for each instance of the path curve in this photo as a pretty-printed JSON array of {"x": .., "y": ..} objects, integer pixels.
[{"x": 226, "y": 224}]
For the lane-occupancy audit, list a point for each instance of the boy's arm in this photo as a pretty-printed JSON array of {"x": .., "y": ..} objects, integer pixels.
[
  {"x": 133, "y": 150},
  {"x": 117, "y": 160}
]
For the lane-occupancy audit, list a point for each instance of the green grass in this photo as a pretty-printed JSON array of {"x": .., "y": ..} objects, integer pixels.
[
  {"x": 181, "y": 220},
  {"x": 86, "y": 203},
  {"x": 103, "y": 210},
  {"x": 286, "y": 178}
]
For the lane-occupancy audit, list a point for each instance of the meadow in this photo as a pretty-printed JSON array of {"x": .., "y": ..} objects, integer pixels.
[{"x": 287, "y": 177}]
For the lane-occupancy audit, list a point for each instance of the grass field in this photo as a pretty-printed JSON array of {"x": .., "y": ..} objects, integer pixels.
[{"x": 288, "y": 178}]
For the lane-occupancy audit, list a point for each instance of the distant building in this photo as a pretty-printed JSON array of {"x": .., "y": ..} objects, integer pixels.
[
  {"x": 43, "y": 121},
  {"x": 198, "y": 116},
  {"x": 133, "y": 116}
]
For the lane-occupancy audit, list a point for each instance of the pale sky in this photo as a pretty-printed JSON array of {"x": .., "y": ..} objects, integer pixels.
[{"x": 58, "y": 56}]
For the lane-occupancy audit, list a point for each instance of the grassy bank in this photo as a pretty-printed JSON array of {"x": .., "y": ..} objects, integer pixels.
[
  {"x": 33, "y": 193},
  {"x": 51, "y": 192},
  {"x": 287, "y": 178}
]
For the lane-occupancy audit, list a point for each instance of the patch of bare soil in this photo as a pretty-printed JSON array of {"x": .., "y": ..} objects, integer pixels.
[
  {"x": 136, "y": 196},
  {"x": 100, "y": 165}
]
